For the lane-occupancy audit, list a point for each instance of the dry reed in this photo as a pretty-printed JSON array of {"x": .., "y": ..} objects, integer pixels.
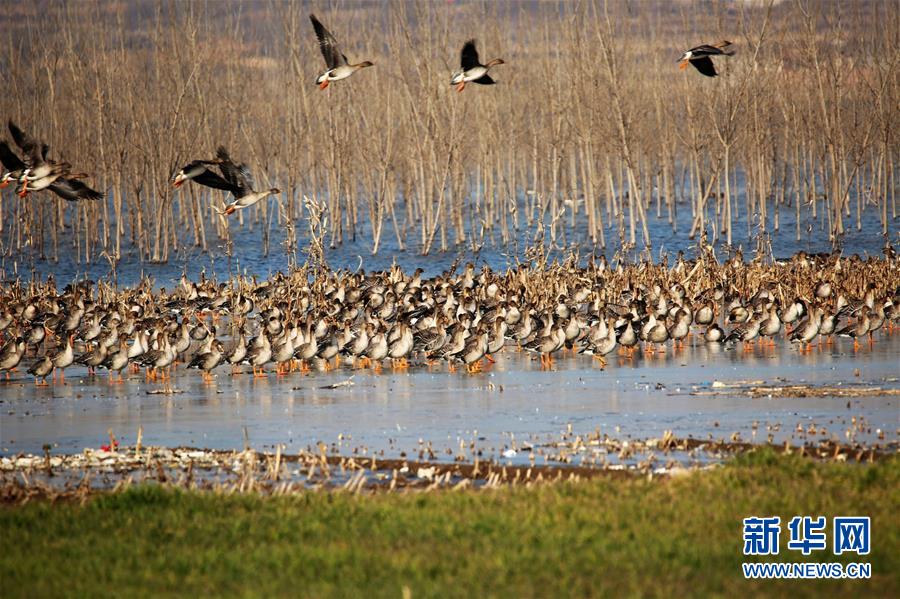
[{"x": 591, "y": 127}]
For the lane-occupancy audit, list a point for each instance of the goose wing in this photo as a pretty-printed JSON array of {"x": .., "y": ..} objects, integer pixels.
[
  {"x": 484, "y": 80},
  {"x": 469, "y": 56},
  {"x": 10, "y": 160},
  {"x": 705, "y": 50},
  {"x": 211, "y": 179},
  {"x": 197, "y": 171},
  {"x": 328, "y": 45},
  {"x": 238, "y": 175},
  {"x": 34, "y": 150},
  {"x": 195, "y": 167},
  {"x": 705, "y": 66},
  {"x": 73, "y": 190}
]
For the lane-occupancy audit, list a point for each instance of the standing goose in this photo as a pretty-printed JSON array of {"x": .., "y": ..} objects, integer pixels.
[
  {"x": 332, "y": 344},
  {"x": 771, "y": 325},
  {"x": 857, "y": 330},
  {"x": 682, "y": 326},
  {"x": 601, "y": 340},
  {"x": 474, "y": 351},
  {"x": 498, "y": 339},
  {"x": 400, "y": 348},
  {"x": 117, "y": 360},
  {"x": 159, "y": 358},
  {"x": 259, "y": 354},
  {"x": 63, "y": 358},
  {"x": 236, "y": 353},
  {"x": 338, "y": 65},
  {"x": 627, "y": 336},
  {"x": 705, "y": 315},
  {"x": 714, "y": 334},
  {"x": 807, "y": 330},
  {"x": 360, "y": 345},
  {"x": 877, "y": 316},
  {"x": 456, "y": 344},
  {"x": 11, "y": 354},
  {"x": 377, "y": 350},
  {"x": 36, "y": 334},
  {"x": 699, "y": 57},
  {"x": 546, "y": 343},
  {"x": 140, "y": 345},
  {"x": 93, "y": 358},
  {"x": 40, "y": 370},
  {"x": 746, "y": 333},
  {"x": 308, "y": 346},
  {"x": 471, "y": 68},
  {"x": 657, "y": 333},
  {"x": 208, "y": 360},
  {"x": 283, "y": 352},
  {"x": 828, "y": 326}
]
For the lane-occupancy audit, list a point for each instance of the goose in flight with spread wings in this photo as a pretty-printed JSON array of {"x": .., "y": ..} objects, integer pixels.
[
  {"x": 338, "y": 65},
  {"x": 699, "y": 57},
  {"x": 471, "y": 68},
  {"x": 38, "y": 172},
  {"x": 68, "y": 188},
  {"x": 235, "y": 178}
]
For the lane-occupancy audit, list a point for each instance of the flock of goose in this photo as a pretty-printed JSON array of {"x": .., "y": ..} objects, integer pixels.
[
  {"x": 460, "y": 319},
  {"x": 35, "y": 171}
]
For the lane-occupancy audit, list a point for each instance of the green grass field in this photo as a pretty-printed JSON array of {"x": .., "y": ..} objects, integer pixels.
[{"x": 606, "y": 537}]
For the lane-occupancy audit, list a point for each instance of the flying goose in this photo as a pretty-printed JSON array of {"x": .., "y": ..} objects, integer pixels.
[
  {"x": 68, "y": 188},
  {"x": 699, "y": 57},
  {"x": 471, "y": 68},
  {"x": 338, "y": 65},
  {"x": 39, "y": 172},
  {"x": 235, "y": 178}
]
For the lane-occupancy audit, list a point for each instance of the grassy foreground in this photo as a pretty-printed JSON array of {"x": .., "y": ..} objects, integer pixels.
[{"x": 661, "y": 538}]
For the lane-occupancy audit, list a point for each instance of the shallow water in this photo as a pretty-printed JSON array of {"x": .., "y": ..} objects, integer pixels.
[
  {"x": 249, "y": 257},
  {"x": 511, "y": 404}
]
